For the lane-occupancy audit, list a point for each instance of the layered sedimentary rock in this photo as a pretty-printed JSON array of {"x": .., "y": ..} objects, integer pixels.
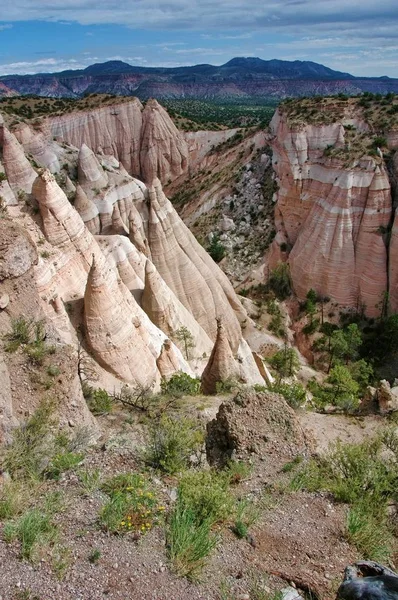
[
  {"x": 37, "y": 145},
  {"x": 221, "y": 365},
  {"x": 163, "y": 151},
  {"x": 112, "y": 331},
  {"x": 87, "y": 210},
  {"x": 167, "y": 312},
  {"x": 189, "y": 271},
  {"x": 20, "y": 173},
  {"x": 145, "y": 141},
  {"x": 330, "y": 215}
]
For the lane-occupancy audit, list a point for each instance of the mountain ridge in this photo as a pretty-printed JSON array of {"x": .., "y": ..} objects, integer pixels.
[{"x": 241, "y": 77}]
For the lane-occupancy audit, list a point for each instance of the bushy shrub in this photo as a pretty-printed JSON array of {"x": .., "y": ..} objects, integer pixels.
[
  {"x": 180, "y": 384},
  {"x": 207, "y": 495},
  {"x": 280, "y": 282},
  {"x": 99, "y": 402},
  {"x": 216, "y": 249},
  {"x": 171, "y": 443},
  {"x": 30, "y": 448},
  {"x": 293, "y": 393},
  {"x": 189, "y": 542},
  {"x": 132, "y": 506}
]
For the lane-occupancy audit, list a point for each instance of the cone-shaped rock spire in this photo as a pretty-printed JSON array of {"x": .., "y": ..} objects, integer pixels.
[
  {"x": 20, "y": 173},
  {"x": 89, "y": 169},
  {"x": 167, "y": 312},
  {"x": 87, "y": 210},
  {"x": 221, "y": 364},
  {"x": 113, "y": 330}
]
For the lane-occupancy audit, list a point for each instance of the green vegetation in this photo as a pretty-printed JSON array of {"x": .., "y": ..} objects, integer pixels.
[
  {"x": 99, "y": 401},
  {"x": 185, "y": 337},
  {"x": 363, "y": 476},
  {"x": 171, "y": 443},
  {"x": 279, "y": 281},
  {"x": 180, "y": 384},
  {"x": 30, "y": 335},
  {"x": 193, "y": 115},
  {"x": 33, "y": 529},
  {"x": 285, "y": 362},
  {"x": 293, "y": 393},
  {"x": 189, "y": 542},
  {"x": 132, "y": 506},
  {"x": 216, "y": 249}
]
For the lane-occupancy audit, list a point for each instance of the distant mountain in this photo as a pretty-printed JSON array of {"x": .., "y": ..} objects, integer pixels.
[{"x": 240, "y": 78}]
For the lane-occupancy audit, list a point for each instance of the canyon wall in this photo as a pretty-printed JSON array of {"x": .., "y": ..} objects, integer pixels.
[
  {"x": 144, "y": 140},
  {"x": 333, "y": 212}
]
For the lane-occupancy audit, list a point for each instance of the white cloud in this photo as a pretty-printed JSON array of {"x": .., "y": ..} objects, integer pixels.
[{"x": 5, "y": 26}]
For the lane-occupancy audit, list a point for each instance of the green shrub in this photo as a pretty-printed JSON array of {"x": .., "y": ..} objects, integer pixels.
[
  {"x": 21, "y": 332},
  {"x": 171, "y": 443},
  {"x": 247, "y": 513},
  {"x": 180, "y": 384},
  {"x": 189, "y": 543},
  {"x": 14, "y": 499},
  {"x": 285, "y": 362},
  {"x": 26, "y": 456},
  {"x": 90, "y": 480},
  {"x": 99, "y": 402},
  {"x": 207, "y": 495},
  {"x": 293, "y": 393},
  {"x": 63, "y": 462},
  {"x": 369, "y": 531},
  {"x": 94, "y": 556},
  {"x": 216, "y": 249},
  {"x": 132, "y": 507},
  {"x": 279, "y": 281},
  {"x": 34, "y": 528}
]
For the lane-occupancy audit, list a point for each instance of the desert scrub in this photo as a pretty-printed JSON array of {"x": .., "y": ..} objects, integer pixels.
[
  {"x": 293, "y": 393},
  {"x": 34, "y": 528},
  {"x": 90, "y": 480},
  {"x": 21, "y": 331},
  {"x": 171, "y": 443},
  {"x": 362, "y": 476},
  {"x": 30, "y": 447},
  {"x": 180, "y": 384},
  {"x": 132, "y": 506},
  {"x": 99, "y": 402},
  {"x": 246, "y": 515},
  {"x": 207, "y": 495},
  {"x": 368, "y": 529},
  {"x": 189, "y": 541},
  {"x": 61, "y": 462},
  {"x": 15, "y": 497}
]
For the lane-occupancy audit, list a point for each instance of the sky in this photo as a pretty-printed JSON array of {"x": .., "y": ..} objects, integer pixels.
[{"x": 356, "y": 36}]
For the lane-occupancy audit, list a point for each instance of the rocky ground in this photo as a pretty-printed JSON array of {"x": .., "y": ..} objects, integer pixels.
[{"x": 298, "y": 538}]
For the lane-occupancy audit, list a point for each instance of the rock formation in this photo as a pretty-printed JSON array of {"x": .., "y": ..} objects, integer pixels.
[
  {"x": 166, "y": 311},
  {"x": 331, "y": 215},
  {"x": 87, "y": 210},
  {"x": 20, "y": 173},
  {"x": 145, "y": 141},
  {"x": 221, "y": 365},
  {"x": 255, "y": 424}
]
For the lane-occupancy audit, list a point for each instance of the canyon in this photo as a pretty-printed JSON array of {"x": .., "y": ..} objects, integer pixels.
[{"x": 111, "y": 264}]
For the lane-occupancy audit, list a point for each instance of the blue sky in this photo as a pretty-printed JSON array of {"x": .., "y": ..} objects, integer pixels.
[{"x": 360, "y": 37}]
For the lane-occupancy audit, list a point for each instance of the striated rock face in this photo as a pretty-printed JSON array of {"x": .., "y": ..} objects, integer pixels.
[
  {"x": 189, "y": 271},
  {"x": 145, "y": 141},
  {"x": 20, "y": 173},
  {"x": 113, "y": 331},
  {"x": 331, "y": 215},
  {"x": 166, "y": 311},
  {"x": 164, "y": 153},
  {"x": 87, "y": 210},
  {"x": 221, "y": 365}
]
